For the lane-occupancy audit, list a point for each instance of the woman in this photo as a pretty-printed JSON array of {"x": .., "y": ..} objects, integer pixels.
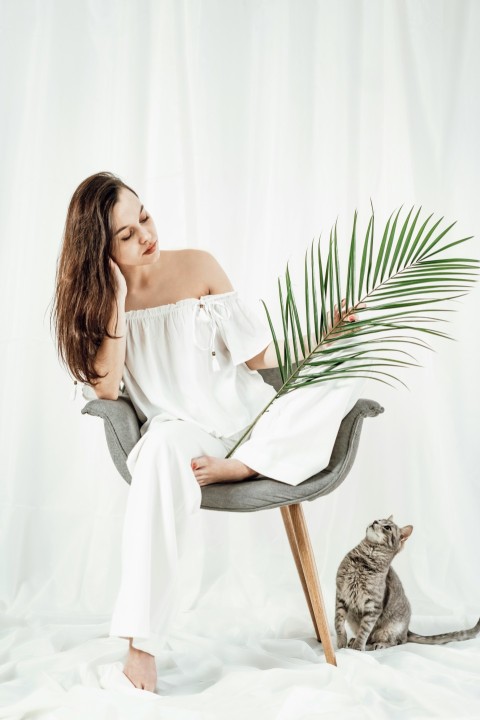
[{"x": 187, "y": 347}]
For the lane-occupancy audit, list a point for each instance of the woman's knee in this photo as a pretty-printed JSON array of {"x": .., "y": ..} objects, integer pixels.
[{"x": 175, "y": 437}]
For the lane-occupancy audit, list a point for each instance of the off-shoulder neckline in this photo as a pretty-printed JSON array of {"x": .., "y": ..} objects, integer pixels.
[{"x": 161, "y": 309}]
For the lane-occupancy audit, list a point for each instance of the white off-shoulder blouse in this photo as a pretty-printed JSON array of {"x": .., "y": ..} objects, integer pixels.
[{"x": 186, "y": 360}]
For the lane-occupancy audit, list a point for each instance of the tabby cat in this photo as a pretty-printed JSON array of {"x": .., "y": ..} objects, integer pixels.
[{"x": 371, "y": 597}]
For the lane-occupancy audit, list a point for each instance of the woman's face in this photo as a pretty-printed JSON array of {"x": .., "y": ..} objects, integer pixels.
[{"x": 134, "y": 232}]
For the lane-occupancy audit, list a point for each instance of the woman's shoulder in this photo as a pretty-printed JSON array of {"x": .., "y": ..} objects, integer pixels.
[
  {"x": 192, "y": 254},
  {"x": 202, "y": 264},
  {"x": 186, "y": 263},
  {"x": 185, "y": 257}
]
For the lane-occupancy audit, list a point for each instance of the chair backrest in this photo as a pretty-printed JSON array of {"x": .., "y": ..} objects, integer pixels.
[
  {"x": 122, "y": 429},
  {"x": 122, "y": 425},
  {"x": 272, "y": 377}
]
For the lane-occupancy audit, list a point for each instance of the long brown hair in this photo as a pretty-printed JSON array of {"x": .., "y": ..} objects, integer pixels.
[{"x": 85, "y": 283}]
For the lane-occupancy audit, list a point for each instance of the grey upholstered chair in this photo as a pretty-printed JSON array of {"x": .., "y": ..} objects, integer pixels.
[{"x": 122, "y": 429}]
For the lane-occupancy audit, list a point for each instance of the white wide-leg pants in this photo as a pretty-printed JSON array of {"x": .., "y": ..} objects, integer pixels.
[{"x": 289, "y": 443}]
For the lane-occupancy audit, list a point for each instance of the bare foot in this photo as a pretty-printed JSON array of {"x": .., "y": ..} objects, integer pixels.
[
  {"x": 140, "y": 669},
  {"x": 208, "y": 469}
]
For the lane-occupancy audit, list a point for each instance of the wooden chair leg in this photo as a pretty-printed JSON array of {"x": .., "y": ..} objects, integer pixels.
[
  {"x": 299, "y": 539},
  {"x": 288, "y": 522}
]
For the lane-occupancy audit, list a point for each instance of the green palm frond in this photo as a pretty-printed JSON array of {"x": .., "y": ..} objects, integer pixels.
[{"x": 393, "y": 289}]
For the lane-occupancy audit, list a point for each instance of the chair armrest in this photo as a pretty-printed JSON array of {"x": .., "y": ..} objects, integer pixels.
[
  {"x": 265, "y": 493},
  {"x": 122, "y": 429},
  {"x": 346, "y": 445}
]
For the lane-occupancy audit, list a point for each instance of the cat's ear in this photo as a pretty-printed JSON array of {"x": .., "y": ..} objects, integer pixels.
[
  {"x": 390, "y": 518},
  {"x": 405, "y": 532}
]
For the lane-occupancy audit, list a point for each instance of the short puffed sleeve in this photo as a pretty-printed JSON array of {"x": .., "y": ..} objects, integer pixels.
[{"x": 244, "y": 331}]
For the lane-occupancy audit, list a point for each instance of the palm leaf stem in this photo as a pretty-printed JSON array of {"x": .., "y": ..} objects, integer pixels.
[{"x": 423, "y": 275}]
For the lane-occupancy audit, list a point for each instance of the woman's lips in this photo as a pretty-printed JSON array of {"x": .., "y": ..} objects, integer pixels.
[{"x": 152, "y": 248}]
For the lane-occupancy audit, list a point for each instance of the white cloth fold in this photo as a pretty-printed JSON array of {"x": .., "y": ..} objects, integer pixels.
[
  {"x": 213, "y": 311},
  {"x": 186, "y": 361},
  {"x": 162, "y": 547}
]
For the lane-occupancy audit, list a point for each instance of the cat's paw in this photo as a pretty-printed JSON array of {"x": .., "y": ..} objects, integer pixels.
[
  {"x": 354, "y": 645},
  {"x": 379, "y": 646},
  {"x": 341, "y": 641}
]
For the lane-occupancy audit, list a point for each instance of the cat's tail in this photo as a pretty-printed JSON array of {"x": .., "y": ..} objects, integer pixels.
[{"x": 445, "y": 637}]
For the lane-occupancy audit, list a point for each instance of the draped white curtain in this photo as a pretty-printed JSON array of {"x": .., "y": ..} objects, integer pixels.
[{"x": 247, "y": 127}]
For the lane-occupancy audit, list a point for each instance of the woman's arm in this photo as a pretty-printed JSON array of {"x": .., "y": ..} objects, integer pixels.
[
  {"x": 219, "y": 282},
  {"x": 267, "y": 358},
  {"x": 110, "y": 357}
]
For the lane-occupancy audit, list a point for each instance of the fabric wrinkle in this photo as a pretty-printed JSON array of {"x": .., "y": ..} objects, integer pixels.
[
  {"x": 171, "y": 371},
  {"x": 186, "y": 374},
  {"x": 213, "y": 310}
]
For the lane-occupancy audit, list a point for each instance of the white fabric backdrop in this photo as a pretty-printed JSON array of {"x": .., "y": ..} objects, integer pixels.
[{"x": 246, "y": 127}]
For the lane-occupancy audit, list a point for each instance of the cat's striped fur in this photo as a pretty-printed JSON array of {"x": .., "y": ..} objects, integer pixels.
[{"x": 371, "y": 598}]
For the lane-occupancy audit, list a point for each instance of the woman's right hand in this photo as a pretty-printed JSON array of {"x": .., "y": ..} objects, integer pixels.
[{"x": 121, "y": 283}]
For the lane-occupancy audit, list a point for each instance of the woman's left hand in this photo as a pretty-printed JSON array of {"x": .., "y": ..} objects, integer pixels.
[{"x": 349, "y": 315}]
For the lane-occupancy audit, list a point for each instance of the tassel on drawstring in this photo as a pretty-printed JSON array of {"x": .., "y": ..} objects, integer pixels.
[
  {"x": 213, "y": 310},
  {"x": 215, "y": 364},
  {"x": 75, "y": 390}
]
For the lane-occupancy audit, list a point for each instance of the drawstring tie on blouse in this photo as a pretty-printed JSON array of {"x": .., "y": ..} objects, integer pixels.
[{"x": 213, "y": 310}]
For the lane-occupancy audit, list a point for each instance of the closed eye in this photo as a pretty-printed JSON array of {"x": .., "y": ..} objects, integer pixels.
[{"x": 142, "y": 221}]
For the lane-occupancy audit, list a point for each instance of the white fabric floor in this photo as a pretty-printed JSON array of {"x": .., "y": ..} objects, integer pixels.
[
  {"x": 258, "y": 661},
  {"x": 247, "y": 127}
]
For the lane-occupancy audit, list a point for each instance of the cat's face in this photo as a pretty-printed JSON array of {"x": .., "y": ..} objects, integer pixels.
[{"x": 387, "y": 533}]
